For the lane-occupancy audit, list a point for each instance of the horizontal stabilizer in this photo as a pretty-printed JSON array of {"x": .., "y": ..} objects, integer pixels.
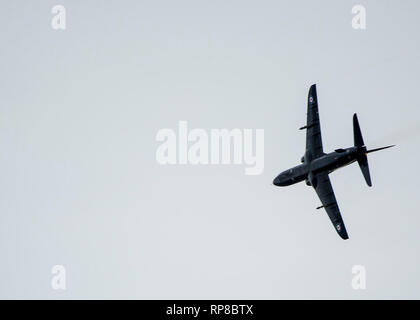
[
  {"x": 377, "y": 149},
  {"x": 364, "y": 166}
]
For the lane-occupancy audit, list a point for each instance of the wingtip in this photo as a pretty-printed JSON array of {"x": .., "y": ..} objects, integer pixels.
[
  {"x": 344, "y": 235},
  {"x": 312, "y": 93}
]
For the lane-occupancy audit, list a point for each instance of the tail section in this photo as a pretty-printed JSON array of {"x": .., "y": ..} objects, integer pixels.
[
  {"x": 358, "y": 139},
  {"x": 360, "y": 144},
  {"x": 364, "y": 166},
  {"x": 362, "y": 150},
  {"x": 378, "y": 149}
]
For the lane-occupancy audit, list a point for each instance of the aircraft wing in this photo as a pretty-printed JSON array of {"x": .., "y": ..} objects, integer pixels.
[
  {"x": 326, "y": 195},
  {"x": 313, "y": 128}
]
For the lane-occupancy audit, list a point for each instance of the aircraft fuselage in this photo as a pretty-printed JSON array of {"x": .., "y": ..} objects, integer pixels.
[{"x": 328, "y": 162}]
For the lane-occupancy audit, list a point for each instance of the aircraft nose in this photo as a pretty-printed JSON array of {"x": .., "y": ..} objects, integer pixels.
[{"x": 278, "y": 181}]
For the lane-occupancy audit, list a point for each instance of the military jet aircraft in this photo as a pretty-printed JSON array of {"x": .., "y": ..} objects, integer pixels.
[{"x": 316, "y": 165}]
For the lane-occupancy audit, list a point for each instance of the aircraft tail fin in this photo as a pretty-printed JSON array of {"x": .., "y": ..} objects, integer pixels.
[
  {"x": 358, "y": 139},
  {"x": 364, "y": 166},
  {"x": 362, "y": 150},
  {"x": 361, "y": 158}
]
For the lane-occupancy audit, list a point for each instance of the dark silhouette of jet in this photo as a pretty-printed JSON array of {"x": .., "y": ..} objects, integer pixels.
[{"x": 316, "y": 165}]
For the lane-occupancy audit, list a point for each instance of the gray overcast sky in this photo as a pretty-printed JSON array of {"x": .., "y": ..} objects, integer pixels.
[{"x": 80, "y": 186}]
